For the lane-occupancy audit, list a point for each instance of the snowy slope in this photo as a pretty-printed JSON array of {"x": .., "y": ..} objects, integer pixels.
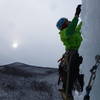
[{"x": 19, "y": 81}]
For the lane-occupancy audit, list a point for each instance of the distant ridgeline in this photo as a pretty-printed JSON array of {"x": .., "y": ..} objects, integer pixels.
[{"x": 20, "y": 81}]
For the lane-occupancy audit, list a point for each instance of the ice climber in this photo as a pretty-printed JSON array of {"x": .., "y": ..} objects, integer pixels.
[{"x": 70, "y": 35}]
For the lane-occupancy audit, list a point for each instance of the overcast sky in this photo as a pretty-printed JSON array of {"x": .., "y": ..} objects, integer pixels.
[{"x": 28, "y": 30}]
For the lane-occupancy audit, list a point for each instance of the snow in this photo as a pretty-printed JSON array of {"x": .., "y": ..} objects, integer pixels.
[
  {"x": 41, "y": 83},
  {"x": 91, "y": 45},
  {"x": 19, "y": 81}
]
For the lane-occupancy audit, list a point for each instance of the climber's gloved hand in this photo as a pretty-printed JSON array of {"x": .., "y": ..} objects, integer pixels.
[{"x": 78, "y": 10}]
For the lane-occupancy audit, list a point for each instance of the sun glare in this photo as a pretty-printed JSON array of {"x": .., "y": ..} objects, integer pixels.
[{"x": 15, "y": 45}]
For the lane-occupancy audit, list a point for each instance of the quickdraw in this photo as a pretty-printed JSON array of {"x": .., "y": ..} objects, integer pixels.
[{"x": 92, "y": 78}]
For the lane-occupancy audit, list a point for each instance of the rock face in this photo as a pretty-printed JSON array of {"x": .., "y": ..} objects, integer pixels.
[{"x": 19, "y": 81}]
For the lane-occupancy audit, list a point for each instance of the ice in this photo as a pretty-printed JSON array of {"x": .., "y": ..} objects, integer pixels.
[{"x": 91, "y": 45}]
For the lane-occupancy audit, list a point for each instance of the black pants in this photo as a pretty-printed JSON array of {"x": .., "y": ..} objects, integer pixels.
[{"x": 74, "y": 63}]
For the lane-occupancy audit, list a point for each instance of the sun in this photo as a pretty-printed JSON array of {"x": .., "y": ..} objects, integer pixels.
[{"x": 15, "y": 45}]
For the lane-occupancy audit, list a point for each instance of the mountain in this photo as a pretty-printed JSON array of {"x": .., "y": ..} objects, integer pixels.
[{"x": 19, "y": 81}]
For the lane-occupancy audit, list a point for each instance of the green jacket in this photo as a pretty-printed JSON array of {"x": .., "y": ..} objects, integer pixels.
[{"x": 71, "y": 36}]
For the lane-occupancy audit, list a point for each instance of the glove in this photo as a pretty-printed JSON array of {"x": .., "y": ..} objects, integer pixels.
[{"x": 78, "y": 10}]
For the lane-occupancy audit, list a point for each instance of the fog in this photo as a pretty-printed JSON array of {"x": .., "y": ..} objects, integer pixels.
[{"x": 31, "y": 24}]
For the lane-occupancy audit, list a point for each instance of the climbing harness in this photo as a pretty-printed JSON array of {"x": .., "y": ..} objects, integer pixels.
[{"x": 65, "y": 70}]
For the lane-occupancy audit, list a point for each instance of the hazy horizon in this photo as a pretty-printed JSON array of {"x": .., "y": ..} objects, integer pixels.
[{"x": 28, "y": 30}]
